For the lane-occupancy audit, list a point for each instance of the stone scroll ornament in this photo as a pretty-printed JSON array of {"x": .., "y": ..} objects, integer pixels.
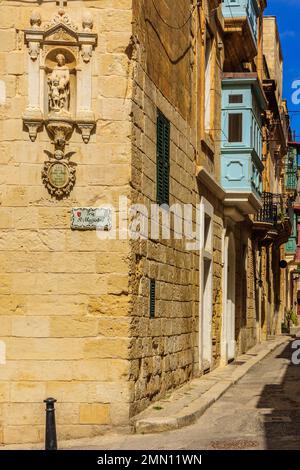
[{"x": 60, "y": 56}]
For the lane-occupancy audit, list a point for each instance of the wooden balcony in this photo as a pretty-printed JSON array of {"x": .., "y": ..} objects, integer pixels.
[{"x": 240, "y": 25}]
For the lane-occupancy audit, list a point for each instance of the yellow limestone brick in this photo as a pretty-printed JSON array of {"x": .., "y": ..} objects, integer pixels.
[
  {"x": 25, "y": 434},
  {"x": 77, "y": 431},
  {"x": 53, "y": 217},
  {"x": 25, "y": 218},
  {"x": 116, "y": 20},
  {"x": 72, "y": 392},
  {"x": 30, "y": 327},
  {"x": 37, "y": 370},
  {"x": 113, "y": 64},
  {"x": 113, "y": 87},
  {"x": 105, "y": 263},
  {"x": 7, "y": 40},
  {"x": 119, "y": 414},
  {"x": 107, "y": 348},
  {"x": 6, "y": 325},
  {"x": 94, "y": 414},
  {"x": 108, "y": 370},
  {"x": 6, "y": 218},
  {"x": 110, "y": 327},
  {"x": 12, "y": 304},
  {"x": 15, "y": 63},
  {"x": 18, "y": 414},
  {"x": 4, "y": 392},
  {"x": 55, "y": 305},
  {"x": 65, "y": 327},
  {"x": 44, "y": 348},
  {"x": 10, "y": 16},
  {"x": 117, "y": 41},
  {"x": 114, "y": 305},
  {"x": 32, "y": 392}
]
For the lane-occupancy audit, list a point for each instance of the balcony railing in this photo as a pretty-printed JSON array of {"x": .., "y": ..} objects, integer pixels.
[
  {"x": 276, "y": 208},
  {"x": 269, "y": 211}
]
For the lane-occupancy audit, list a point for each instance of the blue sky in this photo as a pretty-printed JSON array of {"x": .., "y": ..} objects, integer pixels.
[{"x": 288, "y": 17}]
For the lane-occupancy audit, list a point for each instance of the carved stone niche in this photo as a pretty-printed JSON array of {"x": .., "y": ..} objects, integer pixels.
[{"x": 60, "y": 58}]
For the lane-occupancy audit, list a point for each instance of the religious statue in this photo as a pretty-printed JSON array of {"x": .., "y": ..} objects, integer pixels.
[{"x": 59, "y": 86}]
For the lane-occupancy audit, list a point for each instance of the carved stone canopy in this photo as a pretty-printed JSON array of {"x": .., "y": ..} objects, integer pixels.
[
  {"x": 64, "y": 89},
  {"x": 60, "y": 55}
]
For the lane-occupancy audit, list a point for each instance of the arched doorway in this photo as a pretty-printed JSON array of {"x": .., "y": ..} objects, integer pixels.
[{"x": 228, "y": 329}]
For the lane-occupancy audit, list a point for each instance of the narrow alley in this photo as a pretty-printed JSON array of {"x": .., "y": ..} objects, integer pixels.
[{"x": 261, "y": 412}]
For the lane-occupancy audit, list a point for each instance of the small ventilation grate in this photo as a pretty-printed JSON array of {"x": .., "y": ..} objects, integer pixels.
[{"x": 152, "y": 298}]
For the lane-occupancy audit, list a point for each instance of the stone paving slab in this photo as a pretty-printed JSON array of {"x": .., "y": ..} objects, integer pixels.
[{"x": 184, "y": 406}]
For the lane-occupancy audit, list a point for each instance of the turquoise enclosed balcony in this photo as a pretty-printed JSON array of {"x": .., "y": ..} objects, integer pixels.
[
  {"x": 243, "y": 102},
  {"x": 248, "y": 9},
  {"x": 291, "y": 245},
  {"x": 291, "y": 170},
  {"x": 241, "y": 27}
]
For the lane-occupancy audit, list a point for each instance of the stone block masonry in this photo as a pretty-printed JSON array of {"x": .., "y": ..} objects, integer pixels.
[
  {"x": 75, "y": 310},
  {"x": 162, "y": 352},
  {"x": 63, "y": 301}
]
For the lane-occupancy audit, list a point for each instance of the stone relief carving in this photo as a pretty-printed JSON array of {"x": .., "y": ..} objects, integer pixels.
[
  {"x": 59, "y": 86},
  {"x": 60, "y": 54},
  {"x": 87, "y": 22},
  {"x": 35, "y": 20},
  {"x": 34, "y": 50},
  {"x": 59, "y": 174},
  {"x": 87, "y": 52},
  {"x": 61, "y": 18}
]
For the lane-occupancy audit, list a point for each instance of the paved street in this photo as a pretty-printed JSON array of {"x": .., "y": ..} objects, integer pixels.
[{"x": 261, "y": 412}]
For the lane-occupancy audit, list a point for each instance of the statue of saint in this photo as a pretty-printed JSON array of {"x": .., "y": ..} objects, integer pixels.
[{"x": 59, "y": 86}]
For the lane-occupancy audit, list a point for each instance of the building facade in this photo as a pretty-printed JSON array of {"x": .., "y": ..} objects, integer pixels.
[
  {"x": 292, "y": 246},
  {"x": 273, "y": 224},
  {"x": 129, "y": 105}
]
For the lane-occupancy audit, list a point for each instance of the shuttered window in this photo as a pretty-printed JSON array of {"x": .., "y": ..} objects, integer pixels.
[
  {"x": 235, "y": 99},
  {"x": 163, "y": 159},
  {"x": 235, "y": 128},
  {"x": 152, "y": 298}
]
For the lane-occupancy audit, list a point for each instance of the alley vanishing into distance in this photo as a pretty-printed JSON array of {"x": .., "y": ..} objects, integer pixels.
[{"x": 262, "y": 411}]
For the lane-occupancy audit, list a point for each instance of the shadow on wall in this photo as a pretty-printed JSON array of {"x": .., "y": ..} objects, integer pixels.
[{"x": 280, "y": 407}]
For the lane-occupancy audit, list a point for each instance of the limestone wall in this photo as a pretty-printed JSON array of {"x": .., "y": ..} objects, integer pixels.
[
  {"x": 74, "y": 310},
  {"x": 164, "y": 348},
  {"x": 273, "y": 52},
  {"x": 63, "y": 294}
]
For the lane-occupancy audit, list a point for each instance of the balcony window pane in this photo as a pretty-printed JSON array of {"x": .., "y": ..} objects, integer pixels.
[
  {"x": 235, "y": 99},
  {"x": 235, "y": 128}
]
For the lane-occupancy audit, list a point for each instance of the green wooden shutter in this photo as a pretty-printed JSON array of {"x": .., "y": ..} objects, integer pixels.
[
  {"x": 163, "y": 157},
  {"x": 152, "y": 298},
  {"x": 166, "y": 161}
]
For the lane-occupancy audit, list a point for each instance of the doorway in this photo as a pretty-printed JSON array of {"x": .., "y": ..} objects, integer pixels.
[
  {"x": 206, "y": 285},
  {"x": 228, "y": 330}
]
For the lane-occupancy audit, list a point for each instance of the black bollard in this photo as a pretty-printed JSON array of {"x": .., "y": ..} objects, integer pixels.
[{"x": 50, "y": 438}]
